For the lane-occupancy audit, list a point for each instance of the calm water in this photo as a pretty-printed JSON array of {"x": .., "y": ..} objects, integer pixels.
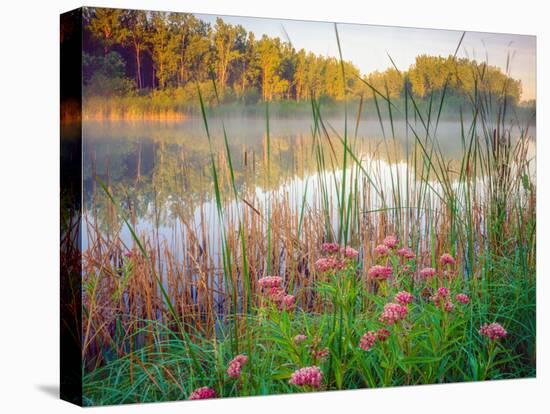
[{"x": 161, "y": 172}]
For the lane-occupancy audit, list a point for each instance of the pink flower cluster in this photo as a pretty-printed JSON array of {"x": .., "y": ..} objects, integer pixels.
[
  {"x": 270, "y": 282},
  {"x": 493, "y": 331},
  {"x": 442, "y": 298},
  {"x": 391, "y": 242},
  {"x": 335, "y": 262},
  {"x": 406, "y": 253},
  {"x": 379, "y": 272},
  {"x": 330, "y": 248},
  {"x": 427, "y": 272},
  {"x": 235, "y": 366},
  {"x": 288, "y": 302},
  {"x": 367, "y": 340},
  {"x": 382, "y": 250},
  {"x": 272, "y": 288},
  {"x": 462, "y": 298},
  {"x": 203, "y": 393},
  {"x": 321, "y": 353},
  {"x": 404, "y": 298},
  {"x": 327, "y": 264},
  {"x": 311, "y": 376},
  {"x": 393, "y": 312},
  {"x": 298, "y": 339},
  {"x": 447, "y": 259},
  {"x": 349, "y": 252},
  {"x": 382, "y": 334}
]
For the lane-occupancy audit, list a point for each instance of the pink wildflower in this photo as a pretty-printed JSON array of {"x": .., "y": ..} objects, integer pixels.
[
  {"x": 276, "y": 294},
  {"x": 288, "y": 302},
  {"x": 321, "y": 353},
  {"x": 203, "y": 393},
  {"x": 391, "y": 242},
  {"x": 404, "y": 298},
  {"x": 349, "y": 252},
  {"x": 462, "y": 298},
  {"x": 443, "y": 292},
  {"x": 269, "y": 282},
  {"x": 298, "y": 339},
  {"x": 449, "y": 306},
  {"x": 382, "y": 334},
  {"x": 493, "y": 331},
  {"x": 235, "y": 366},
  {"x": 441, "y": 296},
  {"x": 427, "y": 272},
  {"x": 406, "y": 253},
  {"x": 367, "y": 341},
  {"x": 393, "y": 312},
  {"x": 380, "y": 272},
  {"x": 326, "y": 264},
  {"x": 447, "y": 259},
  {"x": 330, "y": 247},
  {"x": 311, "y": 376},
  {"x": 382, "y": 250}
]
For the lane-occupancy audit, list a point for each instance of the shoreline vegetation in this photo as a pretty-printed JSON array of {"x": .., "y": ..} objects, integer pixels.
[{"x": 169, "y": 107}]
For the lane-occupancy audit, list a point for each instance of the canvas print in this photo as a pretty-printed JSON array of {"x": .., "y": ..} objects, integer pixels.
[{"x": 255, "y": 206}]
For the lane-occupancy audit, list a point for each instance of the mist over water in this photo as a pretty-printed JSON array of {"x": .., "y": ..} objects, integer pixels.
[{"x": 161, "y": 171}]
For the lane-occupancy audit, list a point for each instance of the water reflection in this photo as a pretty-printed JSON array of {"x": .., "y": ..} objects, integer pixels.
[{"x": 161, "y": 172}]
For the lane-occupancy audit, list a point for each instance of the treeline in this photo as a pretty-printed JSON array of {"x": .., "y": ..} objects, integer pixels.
[{"x": 133, "y": 53}]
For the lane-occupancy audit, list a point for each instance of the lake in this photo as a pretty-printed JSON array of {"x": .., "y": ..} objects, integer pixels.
[{"x": 160, "y": 172}]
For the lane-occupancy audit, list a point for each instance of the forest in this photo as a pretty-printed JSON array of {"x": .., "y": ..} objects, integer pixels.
[{"x": 154, "y": 61}]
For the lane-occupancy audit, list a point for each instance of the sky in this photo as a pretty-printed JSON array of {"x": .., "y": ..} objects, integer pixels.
[{"x": 368, "y": 46}]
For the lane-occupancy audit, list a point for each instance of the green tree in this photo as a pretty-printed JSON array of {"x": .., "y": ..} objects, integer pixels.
[
  {"x": 134, "y": 33},
  {"x": 105, "y": 25},
  {"x": 225, "y": 37}
]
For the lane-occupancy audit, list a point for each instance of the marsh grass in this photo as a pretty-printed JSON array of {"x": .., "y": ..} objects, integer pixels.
[{"x": 160, "y": 323}]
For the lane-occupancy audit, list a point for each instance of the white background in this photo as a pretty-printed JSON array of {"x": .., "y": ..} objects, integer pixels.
[{"x": 29, "y": 176}]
